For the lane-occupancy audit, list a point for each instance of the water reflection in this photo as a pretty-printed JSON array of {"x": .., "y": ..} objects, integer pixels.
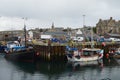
[{"x": 10, "y": 70}]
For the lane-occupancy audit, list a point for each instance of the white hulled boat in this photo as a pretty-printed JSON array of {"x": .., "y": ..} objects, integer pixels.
[{"x": 86, "y": 54}]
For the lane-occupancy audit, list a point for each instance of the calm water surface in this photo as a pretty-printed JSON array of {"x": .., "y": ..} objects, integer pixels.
[{"x": 53, "y": 71}]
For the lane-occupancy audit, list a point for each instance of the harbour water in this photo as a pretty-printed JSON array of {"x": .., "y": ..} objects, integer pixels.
[{"x": 10, "y": 70}]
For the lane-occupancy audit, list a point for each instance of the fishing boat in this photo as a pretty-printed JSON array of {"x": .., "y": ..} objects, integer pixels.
[
  {"x": 19, "y": 52},
  {"x": 84, "y": 55},
  {"x": 15, "y": 51}
]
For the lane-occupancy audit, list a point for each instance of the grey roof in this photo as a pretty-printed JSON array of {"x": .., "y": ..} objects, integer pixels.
[
  {"x": 55, "y": 33},
  {"x": 117, "y": 35}
]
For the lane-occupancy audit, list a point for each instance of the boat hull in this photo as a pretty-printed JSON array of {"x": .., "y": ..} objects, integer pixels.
[
  {"x": 21, "y": 56},
  {"x": 87, "y": 63},
  {"x": 83, "y": 59},
  {"x": 117, "y": 56}
]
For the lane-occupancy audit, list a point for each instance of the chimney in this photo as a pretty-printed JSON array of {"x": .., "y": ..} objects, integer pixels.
[{"x": 110, "y": 18}]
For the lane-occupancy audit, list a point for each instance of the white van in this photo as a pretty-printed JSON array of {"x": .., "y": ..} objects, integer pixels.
[{"x": 80, "y": 38}]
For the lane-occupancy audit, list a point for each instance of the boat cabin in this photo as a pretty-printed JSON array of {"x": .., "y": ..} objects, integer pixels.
[
  {"x": 14, "y": 46},
  {"x": 90, "y": 52}
]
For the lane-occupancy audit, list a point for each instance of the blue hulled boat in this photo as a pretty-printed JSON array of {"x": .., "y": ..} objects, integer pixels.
[{"x": 18, "y": 52}]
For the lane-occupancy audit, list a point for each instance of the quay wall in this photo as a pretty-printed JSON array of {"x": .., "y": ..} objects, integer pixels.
[
  {"x": 50, "y": 53},
  {"x": 57, "y": 52}
]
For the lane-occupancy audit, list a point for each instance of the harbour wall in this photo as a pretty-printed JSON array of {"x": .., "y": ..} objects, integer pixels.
[{"x": 57, "y": 52}]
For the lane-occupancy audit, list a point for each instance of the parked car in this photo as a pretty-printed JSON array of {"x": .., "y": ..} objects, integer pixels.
[
  {"x": 107, "y": 40},
  {"x": 115, "y": 39}
]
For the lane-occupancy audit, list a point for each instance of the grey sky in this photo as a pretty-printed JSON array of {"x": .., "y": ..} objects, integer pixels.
[{"x": 64, "y": 13}]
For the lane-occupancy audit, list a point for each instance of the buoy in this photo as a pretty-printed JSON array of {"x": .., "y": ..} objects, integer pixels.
[
  {"x": 38, "y": 53},
  {"x": 103, "y": 44}
]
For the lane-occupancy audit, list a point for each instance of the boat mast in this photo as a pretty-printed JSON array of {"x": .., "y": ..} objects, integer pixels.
[
  {"x": 92, "y": 41},
  {"x": 25, "y": 32}
]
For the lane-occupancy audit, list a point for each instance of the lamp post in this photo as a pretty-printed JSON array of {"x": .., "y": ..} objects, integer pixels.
[
  {"x": 83, "y": 21},
  {"x": 84, "y": 24}
]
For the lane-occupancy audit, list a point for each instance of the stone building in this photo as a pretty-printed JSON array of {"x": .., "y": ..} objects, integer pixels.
[
  {"x": 108, "y": 26},
  {"x": 9, "y": 35}
]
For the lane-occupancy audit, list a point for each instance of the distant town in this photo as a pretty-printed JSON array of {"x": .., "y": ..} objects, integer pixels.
[{"x": 109, "y": 28}]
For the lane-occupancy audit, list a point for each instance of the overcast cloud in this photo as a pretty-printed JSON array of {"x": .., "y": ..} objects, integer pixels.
[{"x": 64, "y": 13}]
